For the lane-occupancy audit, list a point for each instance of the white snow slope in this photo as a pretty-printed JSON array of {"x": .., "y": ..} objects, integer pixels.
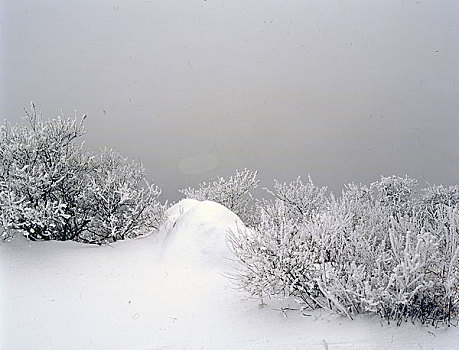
[{"x": 167, "y": 291}]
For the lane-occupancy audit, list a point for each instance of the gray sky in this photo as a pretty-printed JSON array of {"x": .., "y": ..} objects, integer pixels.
[{"x": 343, "y": 90}]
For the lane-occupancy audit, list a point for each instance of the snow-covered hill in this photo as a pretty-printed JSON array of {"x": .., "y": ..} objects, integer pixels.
[{"x": 167, "y": 291}]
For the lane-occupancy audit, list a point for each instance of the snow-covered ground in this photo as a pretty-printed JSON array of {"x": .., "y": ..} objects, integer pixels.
[{"x": 167, "y": 291}]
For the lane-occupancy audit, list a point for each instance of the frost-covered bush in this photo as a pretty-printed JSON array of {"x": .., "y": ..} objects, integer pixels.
[
  {"x": 234, "y": 193},
  {"x": 433, "y": 198},
  {"x": 275, "y": 260},
  {"x": 50, "y": 188},
  {"x": 275, "y": 256},
  {"x": 394, "y": 192},
  {"x": 373, "y": 250},
  {"x": 386, "y": 264},
  {"x": 302, "y": 200},
  {"x": 438, "y": 195},
  {"x": 124, "y": 204}
]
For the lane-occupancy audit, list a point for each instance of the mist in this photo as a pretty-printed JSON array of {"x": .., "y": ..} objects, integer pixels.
[{"x": 341, "y": 90}]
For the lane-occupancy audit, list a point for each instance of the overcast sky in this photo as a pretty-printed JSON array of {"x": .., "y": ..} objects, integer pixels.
[{"x": 342, "y": 90}]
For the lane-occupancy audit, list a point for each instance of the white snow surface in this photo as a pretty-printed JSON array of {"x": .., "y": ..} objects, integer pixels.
[
  {"x": 194, "y": 235},
  {"x": 168, "y": 291}
]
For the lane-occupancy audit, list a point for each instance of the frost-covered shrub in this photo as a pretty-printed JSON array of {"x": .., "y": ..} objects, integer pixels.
[
  {"x": 124, "y": 204},
  {"x": 268, "y": 253},
  {"x": 394, "y": 192},
  {"x": 438, "y": 195},
  {"x": 234, "y": 193},
  {"x": 294, "y": 201},
  {"x": 41, "y": 167},
  {"x": 373, "y": 250},
  {"x": 304, "y": 199},
  {"x": 275, "y": 255},
  {"x": 50, "y": 188},
  {"x": 434, "y": 197},
  {"x": 394, "y": 272}
]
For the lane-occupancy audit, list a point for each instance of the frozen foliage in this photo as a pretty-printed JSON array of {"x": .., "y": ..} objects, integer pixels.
[
  {"x": 305, "y": 198},
  {"x": 50, "y": 188},
  {"x": 435, "y": 197},
  {"x": 233, "y": 193},
  {"x": 394, "y": 193},
  {"x": 301, "y": 200},
  {"x": 124, "y": 204},
  {"x": 376, "y": 249}
]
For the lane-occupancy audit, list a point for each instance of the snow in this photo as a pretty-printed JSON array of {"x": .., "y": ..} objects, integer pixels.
[
  {"x": 195, "y": 234},
  {"x": 168, "y": 291}
]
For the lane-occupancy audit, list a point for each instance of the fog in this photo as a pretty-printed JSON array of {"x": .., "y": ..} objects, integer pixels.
[{"x": 341, "y": 90}]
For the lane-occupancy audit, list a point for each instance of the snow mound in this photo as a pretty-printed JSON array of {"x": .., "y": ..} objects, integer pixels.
[{"x": 195, "y": 234}]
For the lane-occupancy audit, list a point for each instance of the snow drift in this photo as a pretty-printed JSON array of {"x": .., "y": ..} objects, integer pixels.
[{"x": 195, "y": 232}]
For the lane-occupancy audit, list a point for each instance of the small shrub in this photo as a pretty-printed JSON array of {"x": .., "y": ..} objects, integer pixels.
[
  {"x": 394, "y": 192},
  {"x": 275, "y": 254},
  {"x": 434, "y": 197},
  {"x": 234, "y": 193},
  {"x": 124, "y": 204},
  {"x": 51, "y": 189},
  {"x": 302, "y": 200},
  {"x": 373, "y": 250}
]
